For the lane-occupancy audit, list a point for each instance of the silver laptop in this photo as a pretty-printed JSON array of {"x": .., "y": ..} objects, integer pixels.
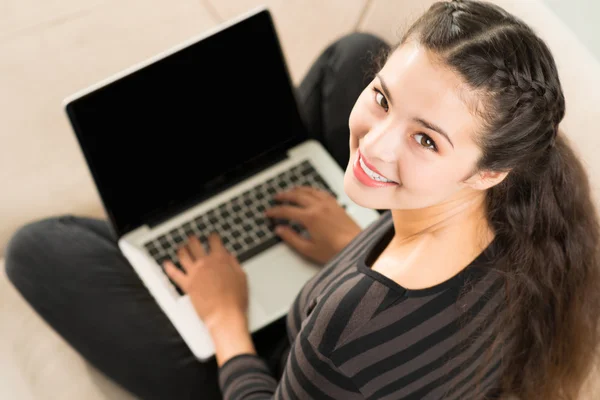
[{"x": 198, "y": 139}]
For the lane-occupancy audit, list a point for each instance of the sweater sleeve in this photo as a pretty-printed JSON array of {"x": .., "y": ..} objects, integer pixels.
[
  {"x": 308, "y": 374},
  {"x": 246, "y": 376}
]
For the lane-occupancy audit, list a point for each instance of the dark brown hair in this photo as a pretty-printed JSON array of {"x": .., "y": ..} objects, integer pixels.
[{"x": 543, "y": 216}]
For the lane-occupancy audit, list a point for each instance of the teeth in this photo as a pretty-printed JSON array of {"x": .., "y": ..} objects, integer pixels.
[{"x": 373, "y": 175}]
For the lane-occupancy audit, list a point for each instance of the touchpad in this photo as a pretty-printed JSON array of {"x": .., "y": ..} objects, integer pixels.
[{"x": 276, "y": 276}]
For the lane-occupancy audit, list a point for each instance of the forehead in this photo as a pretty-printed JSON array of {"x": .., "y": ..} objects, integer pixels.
[{"x": 421, "y": 86}]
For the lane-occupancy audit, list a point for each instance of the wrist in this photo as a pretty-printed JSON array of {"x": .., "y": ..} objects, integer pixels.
[
  {"x": 231, "y": 336},
  {"x": 225, "y": 320}
]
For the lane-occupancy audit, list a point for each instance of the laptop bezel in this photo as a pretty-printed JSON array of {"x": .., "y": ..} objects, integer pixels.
[{"x": 121, "y": 228}]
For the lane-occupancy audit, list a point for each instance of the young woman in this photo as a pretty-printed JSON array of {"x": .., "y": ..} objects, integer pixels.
[{"x": 481, "y": 281}]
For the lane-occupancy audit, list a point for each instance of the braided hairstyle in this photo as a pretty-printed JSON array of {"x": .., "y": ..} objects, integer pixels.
[{"x": 546, "y": 225}]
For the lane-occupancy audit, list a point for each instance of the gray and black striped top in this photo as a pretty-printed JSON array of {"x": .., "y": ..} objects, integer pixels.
[{"x": 355, "y": 334}]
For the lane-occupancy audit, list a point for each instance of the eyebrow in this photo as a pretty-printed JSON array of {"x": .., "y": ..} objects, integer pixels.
[
  {"x": 435, "y": 128},
  {"x": 421, "y": 121}
]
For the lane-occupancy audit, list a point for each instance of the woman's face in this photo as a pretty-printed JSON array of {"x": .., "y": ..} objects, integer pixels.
[{"x": 412, "y": 125}]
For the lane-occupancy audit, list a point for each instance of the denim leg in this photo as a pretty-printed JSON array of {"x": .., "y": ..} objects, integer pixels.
[{"x": 73, "y": 274}]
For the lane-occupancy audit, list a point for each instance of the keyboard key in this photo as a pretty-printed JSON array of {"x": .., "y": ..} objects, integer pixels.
[
  {"x": 247, "y": 227},
  {"x": 236, "y": 208},
  {"x": 249, "y": 214},
  {"x": 307, "y": 171},
  {"x": 173, "y": 254},
  {"x": 178, "y": 239},
  {"x": 260, "y": 220},
  {"x": 201, "y": 225},
  {"x": 161, "y": 260},
  {"x": 164, "y": 242},
  {"x": 225, "y": 214},
  {"x": 236, "y": 246},
  {"x": 248, "y": 240},
  {"x": 226, "y": 226},
  {"x": 189, "y": 232},
  {"x": 236, "y": 234}
]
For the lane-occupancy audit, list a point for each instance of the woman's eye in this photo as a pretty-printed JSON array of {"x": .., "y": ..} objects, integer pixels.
[
  {"x": 381, "y": 100},
  {"x": 425, "y": 141}
]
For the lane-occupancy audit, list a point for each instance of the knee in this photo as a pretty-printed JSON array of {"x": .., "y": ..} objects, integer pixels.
[
  {"x": 356, "y": 57},
  {"x": 355, "y": 45},
  {"x": 23, "y": 249}
]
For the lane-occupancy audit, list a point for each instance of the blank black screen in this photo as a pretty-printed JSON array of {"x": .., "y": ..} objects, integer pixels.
[{"x": 173, "y": 131}]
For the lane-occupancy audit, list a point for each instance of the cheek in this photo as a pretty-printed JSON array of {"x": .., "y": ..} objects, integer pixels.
[{"x": 426, "y": 177}]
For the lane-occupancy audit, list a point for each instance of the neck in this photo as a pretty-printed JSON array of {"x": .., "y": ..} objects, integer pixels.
[{"x": 461, "y": 213}]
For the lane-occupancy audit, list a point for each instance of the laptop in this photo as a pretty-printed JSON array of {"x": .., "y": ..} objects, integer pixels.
[{"x": 198, "y": 139}]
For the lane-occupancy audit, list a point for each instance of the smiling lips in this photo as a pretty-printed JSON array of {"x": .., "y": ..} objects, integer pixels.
[{"x": 368, "y": 175}]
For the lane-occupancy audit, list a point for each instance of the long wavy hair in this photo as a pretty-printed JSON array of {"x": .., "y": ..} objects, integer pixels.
[{"x": 543, "y": 215}]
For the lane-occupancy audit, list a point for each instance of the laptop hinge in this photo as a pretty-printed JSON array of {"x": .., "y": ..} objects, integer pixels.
[{"x": 212, "y": 188}]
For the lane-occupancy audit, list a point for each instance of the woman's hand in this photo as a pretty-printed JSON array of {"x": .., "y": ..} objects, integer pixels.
[
  {"x": 214, "y": 280},
  {"x": 329, "y": 227}
]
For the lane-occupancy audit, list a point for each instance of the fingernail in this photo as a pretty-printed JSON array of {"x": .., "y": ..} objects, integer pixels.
[{"x": 278, "y": 229}]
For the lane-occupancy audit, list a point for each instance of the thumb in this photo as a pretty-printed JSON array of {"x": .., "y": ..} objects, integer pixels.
[{"x": 297, "y": 242}]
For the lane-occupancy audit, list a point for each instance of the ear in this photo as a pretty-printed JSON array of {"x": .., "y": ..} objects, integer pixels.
[{"x": 484, "y": 180}]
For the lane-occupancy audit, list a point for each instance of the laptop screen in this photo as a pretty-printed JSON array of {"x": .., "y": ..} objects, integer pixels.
[{"x": 178, "y": 130}]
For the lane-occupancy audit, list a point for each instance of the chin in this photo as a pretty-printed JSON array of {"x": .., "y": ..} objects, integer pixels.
[{"x": 360, "y": 195}]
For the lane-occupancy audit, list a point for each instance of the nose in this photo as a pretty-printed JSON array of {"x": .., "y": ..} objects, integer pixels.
[{"x": 382, "y": 141}]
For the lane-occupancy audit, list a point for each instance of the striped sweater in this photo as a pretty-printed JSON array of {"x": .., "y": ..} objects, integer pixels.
[{"x": 356, "y": 334}]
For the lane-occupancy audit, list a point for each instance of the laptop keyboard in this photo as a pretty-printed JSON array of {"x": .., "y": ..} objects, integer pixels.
[{"x": 239, "y": 221}]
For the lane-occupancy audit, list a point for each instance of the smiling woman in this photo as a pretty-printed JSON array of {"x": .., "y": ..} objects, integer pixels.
[
  {"x": 481, "y": 282},
  {"x": 465, "y": 115}
]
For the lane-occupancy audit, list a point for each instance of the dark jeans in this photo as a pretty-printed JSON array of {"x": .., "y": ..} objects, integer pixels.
[{"x": 72, "y": 273}]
